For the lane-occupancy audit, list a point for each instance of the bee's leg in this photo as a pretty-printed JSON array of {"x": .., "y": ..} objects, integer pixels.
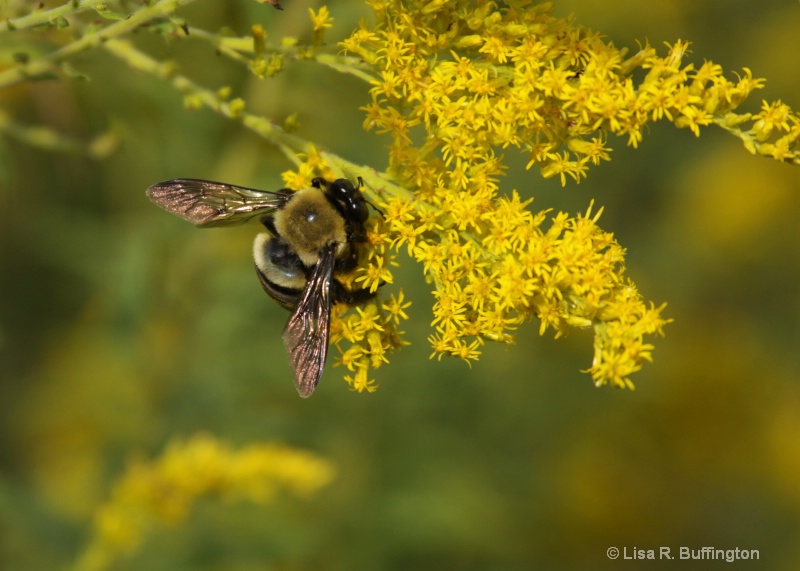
[
  {"x": 349, "y": 262},
  {"x": 339, "y": 294}
]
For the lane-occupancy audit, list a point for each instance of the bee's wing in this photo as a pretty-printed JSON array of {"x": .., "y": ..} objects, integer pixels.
[
  {"x": 207, "y": 203},
  {"x": 306, "y": 333}
]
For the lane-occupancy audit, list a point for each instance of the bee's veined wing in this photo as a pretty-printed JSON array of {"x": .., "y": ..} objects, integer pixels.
[
  {"x": 307, "y": 331},
  {"x": 206, "y": 203}
]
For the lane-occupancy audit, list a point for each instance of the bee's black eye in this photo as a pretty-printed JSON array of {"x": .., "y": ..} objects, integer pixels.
[{"x": 348, "y": 200}]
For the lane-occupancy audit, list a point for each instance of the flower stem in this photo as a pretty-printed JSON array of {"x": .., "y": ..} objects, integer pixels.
[
  {"x": 44, "y": 64},
  {"x": 378, "y": 185},
  {"x": 45, "y": 17}
]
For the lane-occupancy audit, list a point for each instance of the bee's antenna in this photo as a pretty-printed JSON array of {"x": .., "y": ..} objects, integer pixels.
[{"x": 360, "y": 186}]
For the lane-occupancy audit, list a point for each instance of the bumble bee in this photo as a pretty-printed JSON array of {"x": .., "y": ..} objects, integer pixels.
[{"x": 312, "y": 234}]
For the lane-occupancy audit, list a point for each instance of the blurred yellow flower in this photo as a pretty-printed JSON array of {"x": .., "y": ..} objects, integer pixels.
[{"x": 162, "y": 492}]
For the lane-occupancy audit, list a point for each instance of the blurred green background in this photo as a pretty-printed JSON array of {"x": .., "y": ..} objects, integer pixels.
[{"x": 122, "y": 327}]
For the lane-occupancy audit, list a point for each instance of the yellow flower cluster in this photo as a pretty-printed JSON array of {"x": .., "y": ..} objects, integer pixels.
[
  {"x": 478, "y": 78},
  {"x": 458, "y": 83},
  {"x": 163, "y": 491},
  {"x": 506, "y": 269}
]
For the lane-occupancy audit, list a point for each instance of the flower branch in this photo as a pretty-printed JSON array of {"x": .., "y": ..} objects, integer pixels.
[
  {"x": 93, "y": 38},
  {"x": 52, "y": 17}
]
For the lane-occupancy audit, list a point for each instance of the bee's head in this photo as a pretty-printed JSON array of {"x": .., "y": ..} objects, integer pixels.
[{"x": 347, "y": 200}]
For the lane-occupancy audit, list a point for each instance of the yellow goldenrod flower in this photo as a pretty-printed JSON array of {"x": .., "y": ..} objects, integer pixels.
[
  {"x": 395, "y": 307},
  {"x": 520, "y": 78},
  {"x": 161, "y": 492},
  {"x": 320, "y": 21},
  {"x": 361, "y": 382}
]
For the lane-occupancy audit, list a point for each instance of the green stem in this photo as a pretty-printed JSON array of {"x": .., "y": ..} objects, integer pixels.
[
  {"x": 44, "y": 17},
  {"x": 378, "y": 185},
  {"x": 288, "y": 143},
  {"x": 233, "y": 47},
  {"x": 347, "y": 64},
  {"x": 37, "y": 136},
  {"x": 22, "y": 72}
]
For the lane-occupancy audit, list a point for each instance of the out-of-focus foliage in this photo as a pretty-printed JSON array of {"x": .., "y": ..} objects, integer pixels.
[{"x": 122, "y": 330}]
